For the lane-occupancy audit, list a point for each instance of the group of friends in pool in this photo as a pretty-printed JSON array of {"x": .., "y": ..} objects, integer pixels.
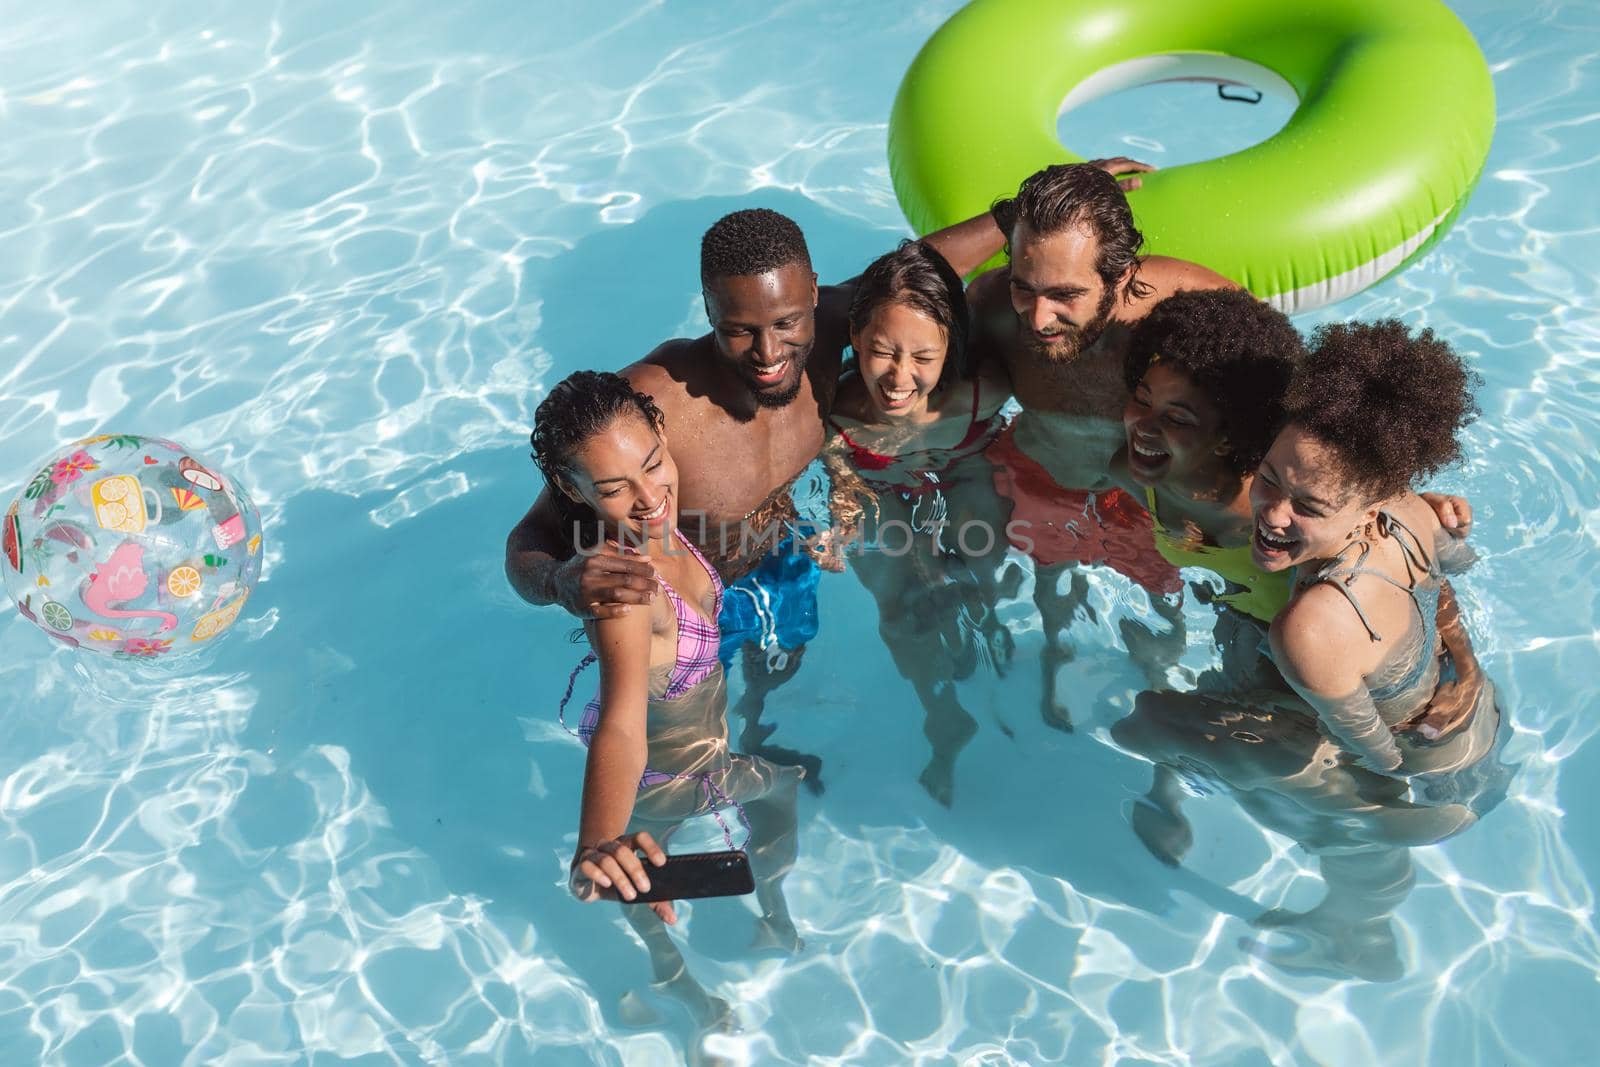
[{"x": 1083, "y": 406}]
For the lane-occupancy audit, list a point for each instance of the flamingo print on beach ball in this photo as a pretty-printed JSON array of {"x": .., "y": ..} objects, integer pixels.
[{"x": 132, "y": 547}]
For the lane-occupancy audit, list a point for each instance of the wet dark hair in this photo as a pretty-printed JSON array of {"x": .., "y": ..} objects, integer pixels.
[
  {"x": 1390, "y": 404},
  {"x": 1240, "y": 351},
  {"x": 1080, "y": 196},
  {"x": 581, "y": 405},
  {"x": 753, "y": 241},
  {"x": 920, "y": 278}
]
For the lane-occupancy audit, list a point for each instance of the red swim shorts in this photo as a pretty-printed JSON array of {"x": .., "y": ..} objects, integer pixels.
[{"x": 1053, "y": 524}]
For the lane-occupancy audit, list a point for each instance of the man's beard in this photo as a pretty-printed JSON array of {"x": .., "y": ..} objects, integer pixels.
[
  {"x": 1071, "y": 342},
  {"x": 770, "y": 398}
]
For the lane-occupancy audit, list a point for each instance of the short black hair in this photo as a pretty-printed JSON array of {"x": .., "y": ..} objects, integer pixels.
[
  {"x": 753, "y": 241},
  {"x": 1389, "y": 403},
  {"x": 916, "y": 275},
  {"x": 1241, "y": 351},
  {"x": 1080, "y": 196}
]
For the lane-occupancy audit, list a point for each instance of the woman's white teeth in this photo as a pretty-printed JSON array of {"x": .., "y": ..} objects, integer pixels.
[
  {"x": 1273, "y": 541},
  {"x": 1149, "y": 453},
  {"x": 897, "y": 395},
  {"x": 657, "y": 511}
]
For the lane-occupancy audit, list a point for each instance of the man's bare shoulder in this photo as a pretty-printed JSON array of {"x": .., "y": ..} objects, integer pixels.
[
  {"x": 989, "y": 289},
  {"x": 994, "y": 320},
  {"x": 667, "y": 371},
  {"x": 527, "y": 534},
  {"x": 1165, "y": 276},
  {"x": 994, "y": 389},
  {"x": 664, "y": 359},
  {"x": 835, "y": 299}
]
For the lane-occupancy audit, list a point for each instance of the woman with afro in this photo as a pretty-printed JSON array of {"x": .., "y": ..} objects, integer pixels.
[{"x": 1374, "y": 410}]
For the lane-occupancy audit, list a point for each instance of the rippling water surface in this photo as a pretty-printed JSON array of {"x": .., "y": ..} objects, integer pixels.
[{"x": 342, "y": 249}]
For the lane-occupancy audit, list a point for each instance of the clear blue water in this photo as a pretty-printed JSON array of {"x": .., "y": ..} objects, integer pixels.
[{"x": 340, "y": 249}]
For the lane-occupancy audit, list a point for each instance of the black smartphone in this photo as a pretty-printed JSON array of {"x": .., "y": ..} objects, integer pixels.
[{"x": 699, "y": 874}]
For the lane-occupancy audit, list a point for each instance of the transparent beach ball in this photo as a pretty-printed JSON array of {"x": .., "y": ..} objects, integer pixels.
[{"x": 131, "y": 546}]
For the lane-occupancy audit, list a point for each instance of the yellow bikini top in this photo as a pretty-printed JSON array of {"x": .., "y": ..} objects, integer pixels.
[{"x": 1260, "y": 595}]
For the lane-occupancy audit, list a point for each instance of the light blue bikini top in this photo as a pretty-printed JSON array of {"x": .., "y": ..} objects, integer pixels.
[{"x": 1423, "y": 583}]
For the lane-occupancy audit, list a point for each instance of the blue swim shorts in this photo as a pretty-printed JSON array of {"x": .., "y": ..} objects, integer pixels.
[{"x": 774, "y": 606}]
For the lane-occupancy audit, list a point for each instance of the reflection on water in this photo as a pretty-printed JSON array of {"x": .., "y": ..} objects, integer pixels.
[
  {"x": 174, "y": 893},
  {"x": 327, "y": 247}
]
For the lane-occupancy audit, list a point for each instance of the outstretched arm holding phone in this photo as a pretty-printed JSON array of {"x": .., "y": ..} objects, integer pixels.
[{"x": 607, "y": 863}]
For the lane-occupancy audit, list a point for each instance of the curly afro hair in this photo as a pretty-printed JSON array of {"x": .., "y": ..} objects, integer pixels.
[
  {"x": 753, "y": 241},
  {"x": 1390, "y": 404},
  {"x": 581, "y": 405},
  {"x": 1240, "y": 351}
]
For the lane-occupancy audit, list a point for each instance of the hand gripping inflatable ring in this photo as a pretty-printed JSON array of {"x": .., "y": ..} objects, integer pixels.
[{"x": 1396, "y": 110}]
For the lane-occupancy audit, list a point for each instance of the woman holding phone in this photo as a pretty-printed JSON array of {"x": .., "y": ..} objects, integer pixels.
[{"x": 657, "y": 731}]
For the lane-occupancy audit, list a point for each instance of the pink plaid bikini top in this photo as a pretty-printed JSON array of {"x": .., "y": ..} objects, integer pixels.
[
  {"x": 698, "y": 639},
  {"x": 694, "y": 662},
  {"x": 696, "y": 658}
]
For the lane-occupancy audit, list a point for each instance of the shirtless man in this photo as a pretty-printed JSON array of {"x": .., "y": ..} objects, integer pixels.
[
  {"x": 1057, "y": 319},
  {"x": 746, "y": 408},
  {"x": 746, "y": 405}
]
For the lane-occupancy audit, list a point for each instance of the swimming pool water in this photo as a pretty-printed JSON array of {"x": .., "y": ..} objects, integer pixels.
[{"x": 341, "y": 249}]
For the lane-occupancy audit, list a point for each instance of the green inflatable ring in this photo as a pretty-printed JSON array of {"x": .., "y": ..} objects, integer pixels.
[{"x": 1395, "y": 115}]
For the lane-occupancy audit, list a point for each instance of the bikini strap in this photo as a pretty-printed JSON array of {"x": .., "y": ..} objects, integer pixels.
[
  {"x": 711, "y": 572},
  {"x": 863, "y": 456},
  {"x": 718, "y": 800},
  {"x": 1333, "y": 580},
  {"x": 716, "y": 579},
  {"x": 1340, "y": 574},
  {"x": 1150, "y": 505},
  {"x": 1418, "y": 565},
  {"x": 572, "y": 680}
]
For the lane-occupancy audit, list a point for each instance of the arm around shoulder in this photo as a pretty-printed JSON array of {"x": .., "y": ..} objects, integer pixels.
[
  {"x": 596, "y": 583},
  {"x": 535, "y": 552},
  {"x": 967, "y": 245}
]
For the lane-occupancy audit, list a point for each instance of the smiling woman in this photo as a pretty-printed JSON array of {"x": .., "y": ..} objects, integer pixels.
[
  {"x": 601, "y": 477},
  {"x": 657, "y": 731},
  {"x": 906, "y": 463},
  {"x": 1206, "y": 373},
  {"x": 913, "y": 404},
  {"x": 1374, "y": 410}
]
